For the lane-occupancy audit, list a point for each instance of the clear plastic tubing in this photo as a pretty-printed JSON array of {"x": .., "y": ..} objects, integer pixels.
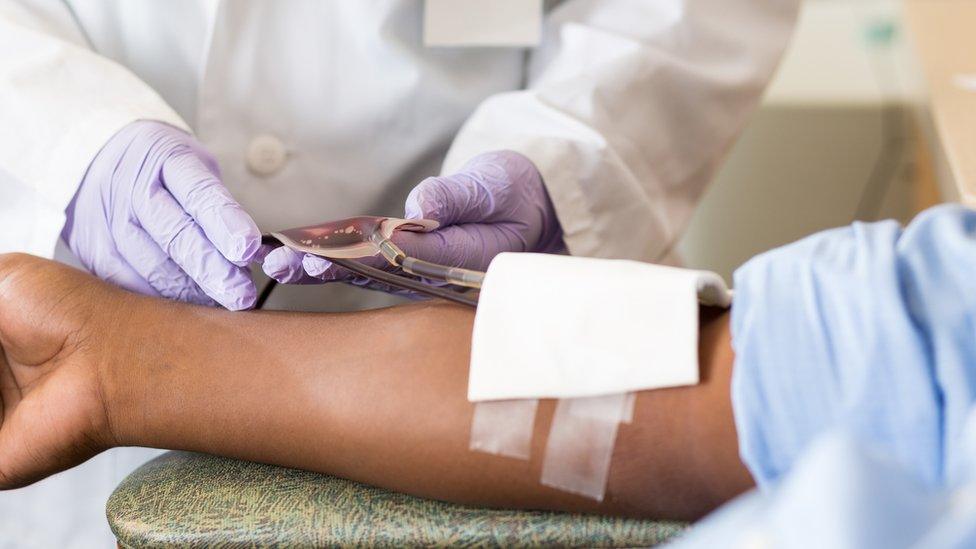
[{"x": 426, "y": 269}]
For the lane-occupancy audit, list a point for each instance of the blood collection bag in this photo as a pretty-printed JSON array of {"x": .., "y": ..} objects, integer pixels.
[
  {"x": 346, "y": 240},
  {"x": 351, "y": 238}
]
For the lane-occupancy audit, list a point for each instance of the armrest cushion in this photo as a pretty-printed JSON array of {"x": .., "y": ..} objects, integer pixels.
[{"x": 183, "y": 499}]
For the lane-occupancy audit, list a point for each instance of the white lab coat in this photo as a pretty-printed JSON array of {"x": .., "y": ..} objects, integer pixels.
[{"x": 324, "y": 109}]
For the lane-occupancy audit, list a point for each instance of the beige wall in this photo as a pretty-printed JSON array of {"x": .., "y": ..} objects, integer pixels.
[{"x": 836, "y": 139}]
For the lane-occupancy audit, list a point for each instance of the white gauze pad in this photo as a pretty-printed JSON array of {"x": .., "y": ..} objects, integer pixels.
[
  {"x": 504, "y": 427},
  {"x": 580, "y": 444},
  {"x": 551, "y": 326}
]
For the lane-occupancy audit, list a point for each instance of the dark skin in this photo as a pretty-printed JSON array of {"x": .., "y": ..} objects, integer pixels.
[{"x": 376, "y": 396}]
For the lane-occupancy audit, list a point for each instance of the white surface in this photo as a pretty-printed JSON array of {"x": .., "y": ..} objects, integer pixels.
[
  {"x": 480, "y": 23},
  {"x": 557, "y": 327}
]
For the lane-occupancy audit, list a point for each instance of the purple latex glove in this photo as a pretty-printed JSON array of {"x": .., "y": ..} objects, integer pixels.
[
  {"x": 496, "y": 203},
  {"x": 152, "y": 216}
]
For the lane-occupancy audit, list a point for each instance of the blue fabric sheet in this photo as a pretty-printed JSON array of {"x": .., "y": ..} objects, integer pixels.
[
  {"x": 853, "y": 390},
  {"x": 870, "y": 328}
]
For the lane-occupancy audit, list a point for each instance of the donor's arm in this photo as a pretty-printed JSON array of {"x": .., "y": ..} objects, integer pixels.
[{"x": 377, "y": 397}]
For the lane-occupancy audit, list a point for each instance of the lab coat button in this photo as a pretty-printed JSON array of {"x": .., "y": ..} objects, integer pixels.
[{"x": 266, "y": 155}]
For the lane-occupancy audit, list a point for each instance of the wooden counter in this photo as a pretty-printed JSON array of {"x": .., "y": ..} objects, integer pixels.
[{"x": 944, "y": 34}]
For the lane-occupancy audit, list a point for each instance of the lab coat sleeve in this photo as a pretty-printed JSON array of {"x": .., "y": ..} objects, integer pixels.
[
  {"x": 59, "y": 103},
  {"x": 629, "y": 108}
]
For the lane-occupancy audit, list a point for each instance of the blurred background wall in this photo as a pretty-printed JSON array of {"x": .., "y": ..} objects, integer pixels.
[{"x": 838, "y": 137}]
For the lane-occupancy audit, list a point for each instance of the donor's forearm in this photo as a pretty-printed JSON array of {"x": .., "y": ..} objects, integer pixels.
[{"x": 379, "y": 397}]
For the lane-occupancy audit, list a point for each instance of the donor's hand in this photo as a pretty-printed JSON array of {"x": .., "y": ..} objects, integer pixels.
[{"x": 51, "y": 363}]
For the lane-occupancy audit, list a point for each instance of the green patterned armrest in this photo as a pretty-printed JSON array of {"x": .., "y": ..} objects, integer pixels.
[{"x": 182, "y": 499}]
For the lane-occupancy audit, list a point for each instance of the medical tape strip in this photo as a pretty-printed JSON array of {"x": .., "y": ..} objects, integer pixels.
[
  {"x": 581, "y": 441},
  {"x": 627, "y": 416},
  {"x": 504, "y": 427}
]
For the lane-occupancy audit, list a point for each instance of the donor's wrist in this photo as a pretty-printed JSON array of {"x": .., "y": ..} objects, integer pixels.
[{"x": 138, "y": 341}]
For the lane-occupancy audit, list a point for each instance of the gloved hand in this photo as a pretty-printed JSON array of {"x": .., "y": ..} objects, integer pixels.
[
  {"x": 496, "y": 203},
  {"x": 152, "y": 216}
]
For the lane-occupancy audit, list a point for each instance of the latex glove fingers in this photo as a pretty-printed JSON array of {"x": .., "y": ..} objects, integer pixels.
[
  {"x": 498, "y": 199},
  {"x": 156, "y": 178},
  {"x": 491, "y": 187},
  {"x": 155, "y": 267},
  {"x": 103, "y": 259},
  {"x": 285, "y": 266},
  {"x": 197, "y": 188},
  {"x": 178, "y": 235},
  {"x": 471, "y": 245}
]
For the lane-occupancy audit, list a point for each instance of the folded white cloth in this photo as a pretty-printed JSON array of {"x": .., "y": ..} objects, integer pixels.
[{"x": 552, "y": 326}]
